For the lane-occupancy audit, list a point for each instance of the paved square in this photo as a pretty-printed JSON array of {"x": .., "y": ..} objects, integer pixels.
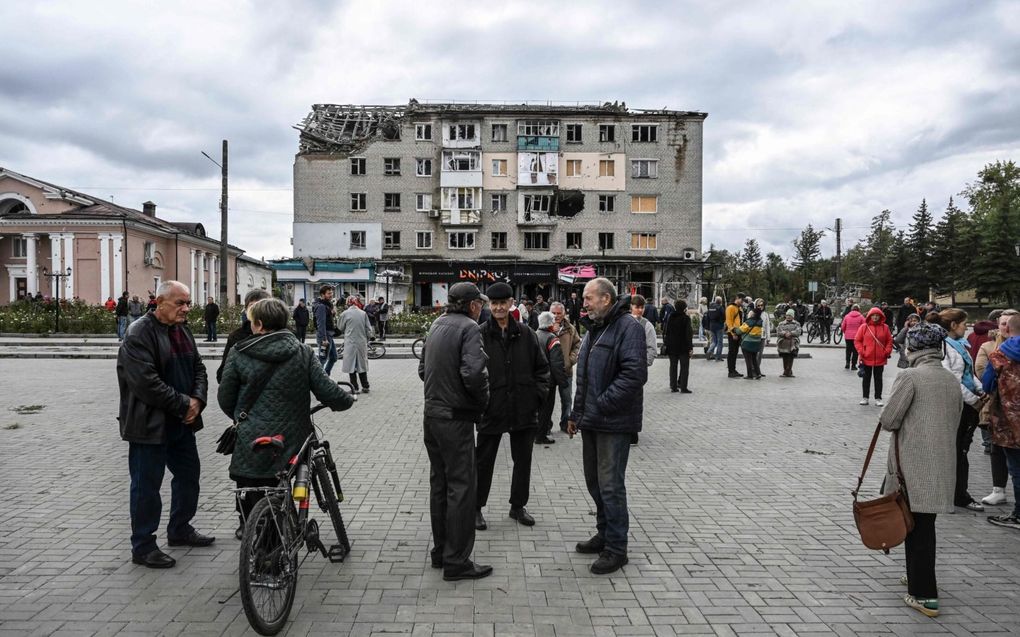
[{"x": 740, "y": 523}]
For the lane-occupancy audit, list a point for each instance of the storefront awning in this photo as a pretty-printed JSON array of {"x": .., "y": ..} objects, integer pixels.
[{"x": 479, "y": 272}]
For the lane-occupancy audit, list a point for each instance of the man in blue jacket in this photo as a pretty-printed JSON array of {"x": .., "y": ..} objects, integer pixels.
[{"x": 608, "y": 406}]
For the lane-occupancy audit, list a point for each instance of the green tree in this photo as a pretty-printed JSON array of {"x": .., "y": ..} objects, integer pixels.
[
  {"x": 752, "y": 266},
  {"x": 894, "y": 282},
  {"x": 995, "y": 207},
  {"x": 777, "y": 277},
  {"x": 918, "y": 274},
  {"x": 806, "y": 252},
  {"x": 951, "y": 262}
]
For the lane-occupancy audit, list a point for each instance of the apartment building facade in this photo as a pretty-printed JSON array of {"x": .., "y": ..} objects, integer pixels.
[{"x": 540, "y": 196}]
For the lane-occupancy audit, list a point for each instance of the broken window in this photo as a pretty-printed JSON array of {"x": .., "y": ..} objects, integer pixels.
[
  {"x": 573, "y": 168},
  {"x": 644, "y": 204},
  {"x": 423, "y": 132},
  {"x": 462, "y": 132},
  {"x": 499, "y": 168},
  {"x": 644, "y": 133},
  {"x": 357, "y": 165},
  {"x": 391, "y": 166},
  {"x": 461, "y": 198},
  {"x": 462, "y": 241},
  {"x": 536, "y": 240},
  {"x": 499, "y": 133},
  {"x": 573, "y": 133},
  {"x": 391, "y": 202},
  {"x": 460, "y": 160},
  {"x": 607, "y": 132},
  {"x": 498, "y": 241},
  {"x": 573, "y": 241},
  {"x": 498, "y": 202},
  {"x": 542, "y": 128},
  {"x": 642, "y": 240},
  {"x": 359, "y": 201},
  {"x": 644, "y": 168},
  {"x": 605, "y": 241},
  {"x": 607, "y": 203},
  {"x": 423, "y": 167},
  {"x": 569, "y": 202},
  {"x": 391, "y": 240},
  {"x": 607, "y": 168},
  {"x": 423, "y": 201},
  {"x": 423, "y": 240},
  {"x": 357, "y": 239},
  {"x": 537, "y": 203}
]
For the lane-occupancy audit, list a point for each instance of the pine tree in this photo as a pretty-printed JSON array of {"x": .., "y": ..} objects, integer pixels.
[
  {"x": 807, "y": 250},
  {"x": 777, "y": 277},
  {"x": 895, "y": 281},
  {"x": 919, "y": 251},
  {"x": 948, "y": 251},
  {"x": 752, "y": 266},
  {"x": 995, "y": 206}
]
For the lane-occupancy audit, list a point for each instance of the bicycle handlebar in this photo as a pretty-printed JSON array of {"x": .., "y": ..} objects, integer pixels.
[{"x": 341, "y": 383}]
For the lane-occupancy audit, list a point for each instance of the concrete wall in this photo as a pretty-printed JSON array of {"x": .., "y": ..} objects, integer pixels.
[{"x": 333, "y": 240}]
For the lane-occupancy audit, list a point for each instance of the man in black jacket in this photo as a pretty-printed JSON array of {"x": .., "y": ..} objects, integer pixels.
[
  {"x": 518, "y": 383},
  {"x": 551, "y": 346},
  {"x": 679, "y": 342},
  {"x": 456, "y": 392},
  {"x": 301, "y": 320},
  {"x": 163, "y": 388},
  {"x": 573, "y": 306},
  {"x": 212, "y": 312},
  {"x": 823, "y": 313}
]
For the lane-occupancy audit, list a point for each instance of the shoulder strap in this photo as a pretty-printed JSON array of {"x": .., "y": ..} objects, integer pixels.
[
  {"x": 255, "y": 390},
  {"x": 871, "y": 451}
]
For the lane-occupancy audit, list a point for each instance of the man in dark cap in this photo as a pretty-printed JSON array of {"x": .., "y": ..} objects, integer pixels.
[
  {"x": 456, "y": 392},
  {"x": 518, "y": 382}
]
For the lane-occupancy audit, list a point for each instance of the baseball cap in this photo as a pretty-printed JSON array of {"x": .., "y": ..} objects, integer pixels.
[{"x": 465, "y": 291}]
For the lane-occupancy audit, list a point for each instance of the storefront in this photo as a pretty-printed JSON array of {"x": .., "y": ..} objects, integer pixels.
[{"x": 432, "y": 280}]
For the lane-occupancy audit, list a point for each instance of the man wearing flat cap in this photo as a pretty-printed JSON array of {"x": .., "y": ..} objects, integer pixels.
[
  {"x": 518, "y": 381},
  {"x": 456, "y": 392}
]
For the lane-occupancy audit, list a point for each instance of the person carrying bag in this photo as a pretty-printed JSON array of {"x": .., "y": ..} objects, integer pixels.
[{"x": 885, "y": 522}]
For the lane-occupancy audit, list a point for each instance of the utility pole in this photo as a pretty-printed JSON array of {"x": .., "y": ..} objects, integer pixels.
[
  {"x": 224, "y": 254},
  {"x": 839, "y": 250}
]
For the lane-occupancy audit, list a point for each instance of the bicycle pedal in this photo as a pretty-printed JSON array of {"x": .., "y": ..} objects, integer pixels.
[{"x": 336, "y": 553}]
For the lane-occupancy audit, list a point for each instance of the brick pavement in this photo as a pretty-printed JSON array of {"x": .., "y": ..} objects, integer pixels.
[{"x": 740, "y": 523}]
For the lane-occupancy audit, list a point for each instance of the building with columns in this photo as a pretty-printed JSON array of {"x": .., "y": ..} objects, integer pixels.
[{"x": 103, "y": 248}]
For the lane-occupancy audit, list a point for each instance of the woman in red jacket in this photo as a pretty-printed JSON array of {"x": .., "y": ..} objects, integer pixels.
[{"x": 874, "y": 345}]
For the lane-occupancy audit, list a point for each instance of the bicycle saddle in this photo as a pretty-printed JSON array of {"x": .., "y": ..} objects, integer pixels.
[{"x": 262, "y": 443}]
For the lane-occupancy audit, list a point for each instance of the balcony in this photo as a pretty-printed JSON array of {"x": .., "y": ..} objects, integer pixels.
[
  {"x": 535, "y": 219},
  {"x": 539, "y": 143},
  {"x": 460, "y": 218},
  {"x": 460, "y": 179}
]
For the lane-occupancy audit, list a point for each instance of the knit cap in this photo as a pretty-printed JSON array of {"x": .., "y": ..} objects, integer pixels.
[{"x": 925, "y": 336}]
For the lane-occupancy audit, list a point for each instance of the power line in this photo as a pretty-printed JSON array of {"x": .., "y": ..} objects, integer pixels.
[{"x": 83, "y": 188}]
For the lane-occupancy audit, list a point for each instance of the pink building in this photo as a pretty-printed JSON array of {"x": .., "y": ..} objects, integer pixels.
[{"x": 109, "y": 249}]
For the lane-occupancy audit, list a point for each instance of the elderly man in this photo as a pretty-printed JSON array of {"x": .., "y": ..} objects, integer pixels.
[
  {"x": 553, "y": 350},
  {"x": 163, "y": 388},
  {"x": 209, "y": 315},
  {"x": 456, "y": 392},
  {"x": 357, "y": 330},
  {"x": 608, "y": 408},
  {"x": 570, "y": 342}
]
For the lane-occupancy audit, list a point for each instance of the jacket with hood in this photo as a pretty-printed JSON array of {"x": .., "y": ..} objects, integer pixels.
[
  {"x": 611, "y": 373},
  {"x": 980, "y": 336},
  {"x": 518, "y": 377},
  {"x": 873, "y": 341},
  {"x": 282, "y": 406},
  {"x": 851, "y": 323},
  {"x": 1003, "y": 376}
]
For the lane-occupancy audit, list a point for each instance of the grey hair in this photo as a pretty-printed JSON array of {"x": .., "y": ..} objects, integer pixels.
[
  {"x": 545, "y": 319},
  {"x": 271, "y": 313},
  {"x": 718, "y": 299},
  {"x": 255, "y": 295},
  {"x": 605, "y": 286},
  {"x": 166, "y": 287},
  {"x": 557, "y": 304}
]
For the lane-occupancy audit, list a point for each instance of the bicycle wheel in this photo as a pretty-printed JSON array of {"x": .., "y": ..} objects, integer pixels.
[
  {"x": 837, "y": 335},
  {"x": 812, "y": 332},
  {"x": 268, "y": 567},
  {"x": 376, "y": 350},
  {"x": 416, "y": 347},
  {"x": 328, "y": 502}
]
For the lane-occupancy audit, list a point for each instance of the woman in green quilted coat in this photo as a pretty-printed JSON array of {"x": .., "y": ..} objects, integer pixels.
[{"x": 282, "y": 406}]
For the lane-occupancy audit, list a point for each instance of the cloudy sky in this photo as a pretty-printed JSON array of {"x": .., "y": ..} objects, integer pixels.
[{"x": 817, "y": 110}]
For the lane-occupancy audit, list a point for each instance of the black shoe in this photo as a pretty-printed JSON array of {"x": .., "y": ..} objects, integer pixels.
[
  {"x": 674, "y": 390},
  {"x": 750, "y": 378},
  {"x": 634, "y": 438},
  {"x": 853, "y": 367},
  {"x": 761, "y": 376},
  {"x": 521, "y": 515},
  {"x": 364, "y": 391},
  {"x": 470, "y": 571},
  {"x": 847, "y": 366},
  {"x": 736, "y": 375},
  {"x": 594, "y": 545},
  {"x": 437, "y": 558},
  {"x": 608, "y": 563},
  {"x": 239, "y": 533},
  {"x": 480, "y": 524},
  {"x": 544, "y": 440},
  {"x": 686, "y": 391},
  {"x": 193, "y": 539},
  {"x": 154, "y": 559}
]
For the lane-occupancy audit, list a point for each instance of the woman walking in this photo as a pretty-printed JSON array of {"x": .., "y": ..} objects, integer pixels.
[
  {"x": 923, "y": 411},
  {"x": 788, "y": 341},
  {"x": 874, "y": 345},
  {"x": 750, "y": 344},
  {"x": 959, "y": 362},
  {"x": 286, "y": 370},
  {"x": 851, "y": 323}
]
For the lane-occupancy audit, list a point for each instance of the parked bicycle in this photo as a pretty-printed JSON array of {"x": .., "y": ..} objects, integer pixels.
[
  {"x": 279, "y": 526},
  {"x": 376, "y": 350}
]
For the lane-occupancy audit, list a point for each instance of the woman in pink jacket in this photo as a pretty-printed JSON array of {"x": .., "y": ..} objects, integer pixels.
[
  {"x": 851, "y": 323},
  {"x": 874, "y": 345}
]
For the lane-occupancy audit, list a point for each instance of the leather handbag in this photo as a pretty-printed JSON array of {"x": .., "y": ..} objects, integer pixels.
[{"x": 883, "y": 523}]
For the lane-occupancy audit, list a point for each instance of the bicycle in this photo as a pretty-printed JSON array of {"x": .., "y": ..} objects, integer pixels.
[
  {"x": 417, "y": 347},
  {"x": 278, "y": 526},
  {"x": 837, "y": 334},
  {"x": 376, "y": 350},
  {"x": 814, "y": 330}
]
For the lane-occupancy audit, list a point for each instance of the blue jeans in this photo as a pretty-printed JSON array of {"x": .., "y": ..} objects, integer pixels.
[
  {"x": 566, "y": 401},
  {"x": 147, "y": 464},
  {"x": 122, "y": 324},
  {"x": 327, "y": 354},
  {"x": 717, "y": 343},
  {"x": 1013, "y": 462},
  {"x": 210, "y": 331},
  {"x": 605, "y": 469}
]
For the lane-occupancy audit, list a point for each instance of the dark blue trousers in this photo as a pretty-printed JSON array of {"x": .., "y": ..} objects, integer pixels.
[{"x": 147, "y": 464}]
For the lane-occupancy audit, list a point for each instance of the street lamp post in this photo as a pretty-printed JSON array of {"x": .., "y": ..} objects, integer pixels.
[{"x": 55, "y": 286}]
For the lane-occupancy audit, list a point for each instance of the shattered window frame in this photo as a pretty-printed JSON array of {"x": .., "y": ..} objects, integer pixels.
[
  {"x": 359, "y": 166},
  {"x": 391, "y": 202},
  {"x": 574, "y": 132},
  {"x": 531, "y": 208},
  {"x": 422, "y": 201},
  {"x": 498, "y": 241},
  {"x": 607, "y": 168},
  {"x": 574, "y": 167},
  {"x": 423, "y": 166},
  {"x": 391, "y": 166},
  {"x": 536, "y": 240},
  {"x": 391, "y": 240},
  {"x": 644, "y": 169},
  {"x": 423, "y": 240},
  {"x": 461, "y": 161},
  {"x": 503, "y": 130},
  {"x": 359, "y": 201},
  {"x": 500, "y": 167},
  {"x": 644, "y": 240},
  {"x": 607, "y": 203},
  {"x": 538, "y": 128},
  {"x": 466, "y": 238},
  {"x": 636, "y": 201},
  {"x": 607, "y": 132},
  {"x": 358, "y": 240},
  {"x": 574, "y": 245},
  {"x": 498, "y": 202},
  {"x": 462, "y": 132},
  {"x": 423, "y": 132},
  {"x": 606, "y": 241},
  {"x": 644, "y": 133}
]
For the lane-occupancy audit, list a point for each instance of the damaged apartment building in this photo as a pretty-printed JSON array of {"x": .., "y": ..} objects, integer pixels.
[{"x": 414, "y": 198}]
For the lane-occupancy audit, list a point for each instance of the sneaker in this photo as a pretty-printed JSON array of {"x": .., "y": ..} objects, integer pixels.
[
  {"x": 608, "y": 563},
  {"x": 929, "y": 607},
  {"x": 864, "y": 401},
  {"x": 973, "y": 505},
  {"x": 995, "y": 498},
  {"x": 903, "y": 580},
  {"x": 879, "y": 403},
  {"x": 1007, "y": 521}
]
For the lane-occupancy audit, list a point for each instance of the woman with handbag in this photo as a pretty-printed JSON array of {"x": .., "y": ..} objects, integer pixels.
[
  {"x": 923, "y": 413},
  {"x": 265, "y": 387},
  {"x": 873, "y": 342}
]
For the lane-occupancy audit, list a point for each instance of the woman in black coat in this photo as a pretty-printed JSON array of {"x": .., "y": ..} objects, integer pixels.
[{"x": 679, "y": 341}]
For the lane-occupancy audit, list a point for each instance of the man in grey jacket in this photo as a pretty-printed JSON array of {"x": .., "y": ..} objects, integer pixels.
[{"x": 456, "y": 393}]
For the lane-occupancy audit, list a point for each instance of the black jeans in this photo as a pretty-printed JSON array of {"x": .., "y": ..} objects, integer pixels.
[
  {"x": 382, "y": 329},
  {"x": 364, "y": 379},
  {"x": 732, "y": 353},
  {"x": 753, "y": 367},
  {"x": 684, "y": 360},
  {"x": 451, "y": 448},
  {"x": 605, "y": 458},
  {"x": 1000, "y": 470},
  {"x": 147, "y": 464},
  {"x": 851, "y": 352},
  {"x": 210, "y": 331},
  {"x": 545, "y": 412},
  {"x": 920, "y": 554},
  {"x": 300, "y": 331},
  {"x": 522, "y": 443},
  {"x": 869, "y": 373},
  {"x": 826, "y": 330},
  {"x": 964, "y": 436}
]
